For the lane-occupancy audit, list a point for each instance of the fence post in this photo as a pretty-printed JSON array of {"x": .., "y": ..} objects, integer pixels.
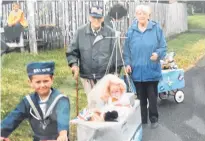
[
  {"x": 1, "y": 10},
  {"x": 31, "y": 26},
  {"x": 62, "y": 22}
]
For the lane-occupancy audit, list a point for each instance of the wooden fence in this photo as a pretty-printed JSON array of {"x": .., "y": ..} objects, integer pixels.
[{"x": 68, "y": 15}]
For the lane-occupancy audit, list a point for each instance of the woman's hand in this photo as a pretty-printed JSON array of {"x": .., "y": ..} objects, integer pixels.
[
  {"x": 154, "y": 56},
  {"x": 128, "y": 69},
  {"x": 62, "y": 138}
]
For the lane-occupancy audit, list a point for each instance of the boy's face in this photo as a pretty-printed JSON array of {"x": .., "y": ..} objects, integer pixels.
[{"x": 41, "y": 84}]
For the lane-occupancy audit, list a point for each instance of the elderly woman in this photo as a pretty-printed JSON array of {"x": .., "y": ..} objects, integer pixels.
[{"x": 144, "y": 46}]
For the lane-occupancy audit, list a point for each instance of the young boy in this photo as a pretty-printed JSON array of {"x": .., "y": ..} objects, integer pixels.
[{"x": 47, "y": 110}]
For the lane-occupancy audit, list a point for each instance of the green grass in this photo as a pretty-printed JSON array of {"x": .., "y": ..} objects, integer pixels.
[
  {"x": 188, "y": 48},
  {"x": 196, "y": 21}
]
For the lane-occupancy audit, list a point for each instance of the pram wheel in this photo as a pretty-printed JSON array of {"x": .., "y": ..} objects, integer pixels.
[
  {"x": 179, "y": 96},
  {"x": 163, "y": 95}
]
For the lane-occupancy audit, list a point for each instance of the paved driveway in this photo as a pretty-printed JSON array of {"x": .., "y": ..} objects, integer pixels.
[{"x": 185, "y": 121}]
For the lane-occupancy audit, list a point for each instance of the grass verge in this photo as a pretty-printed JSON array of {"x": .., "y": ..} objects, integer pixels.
[
  {"x": 196, "y": 21},
  {"x": 189, "y": 48}
]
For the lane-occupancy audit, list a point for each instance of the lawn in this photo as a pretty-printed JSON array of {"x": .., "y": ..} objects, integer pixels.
[
  {"x": 188, "y": 47},
  {"x": 196, "y": 21}
]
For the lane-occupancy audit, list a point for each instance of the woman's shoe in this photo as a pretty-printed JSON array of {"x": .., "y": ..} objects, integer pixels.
[{"x": 154, "y": 125}]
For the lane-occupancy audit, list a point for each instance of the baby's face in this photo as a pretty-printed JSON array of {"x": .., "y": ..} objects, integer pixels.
[{"x": 115, "y": 91}]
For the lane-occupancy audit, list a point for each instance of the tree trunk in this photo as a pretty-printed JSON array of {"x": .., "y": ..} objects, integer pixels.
[{"x": 31, "y": 26}]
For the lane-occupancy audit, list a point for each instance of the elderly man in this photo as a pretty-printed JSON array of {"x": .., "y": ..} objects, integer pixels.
[{"x": 90, "y": 52}]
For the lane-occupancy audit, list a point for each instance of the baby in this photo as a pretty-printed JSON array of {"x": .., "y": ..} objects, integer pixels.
[
  {"x": 107, "y": 98},
  {"x": 115, "y": 93}
]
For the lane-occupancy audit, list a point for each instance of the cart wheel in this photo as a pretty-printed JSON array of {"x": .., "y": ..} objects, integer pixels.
[
  {"x": 163, "y": 95},
  {"x": 179, "y": 96}
]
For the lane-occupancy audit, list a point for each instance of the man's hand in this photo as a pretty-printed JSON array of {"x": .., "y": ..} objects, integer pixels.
[
  {"x": 154, "y": 56},
  {"x": 62, "y": 136},
  {"x": 75, "y": 71},
  {"x": 128, "y": 69}
]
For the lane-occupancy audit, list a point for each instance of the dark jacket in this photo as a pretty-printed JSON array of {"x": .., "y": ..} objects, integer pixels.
[
  {"x": 57, "y": 121},
  {"x": 93, "y": 52}
]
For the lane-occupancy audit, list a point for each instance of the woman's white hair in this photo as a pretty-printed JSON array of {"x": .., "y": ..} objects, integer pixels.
[{"x": 144, "y": 8}]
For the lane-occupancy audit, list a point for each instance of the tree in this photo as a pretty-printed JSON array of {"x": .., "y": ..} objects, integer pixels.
[{"x": 199, "y": 6}]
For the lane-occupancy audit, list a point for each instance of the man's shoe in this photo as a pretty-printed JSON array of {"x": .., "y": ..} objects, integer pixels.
[{"x": 154, "y": 125}]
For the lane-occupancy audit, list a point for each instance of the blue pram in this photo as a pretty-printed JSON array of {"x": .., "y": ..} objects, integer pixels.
[
  {"x": 171, "y": 84},
  {"x": 172, "y": 79}
]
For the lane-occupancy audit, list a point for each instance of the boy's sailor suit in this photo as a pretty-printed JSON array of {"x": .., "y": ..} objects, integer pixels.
[{"x": 46, "y": 118}]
